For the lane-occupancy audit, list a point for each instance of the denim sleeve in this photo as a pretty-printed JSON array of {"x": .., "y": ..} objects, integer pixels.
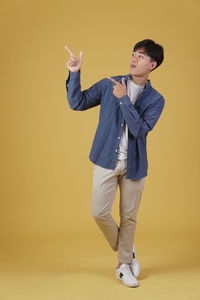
[
  {"x": 141, "y": 125},
  {"x": 82, "y": 100}
]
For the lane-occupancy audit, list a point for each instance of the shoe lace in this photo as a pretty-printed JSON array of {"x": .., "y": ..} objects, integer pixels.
[{"x": 128, "y": 271}]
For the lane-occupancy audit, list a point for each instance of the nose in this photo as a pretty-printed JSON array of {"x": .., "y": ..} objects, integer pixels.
[{"x": 134, "y": 59}]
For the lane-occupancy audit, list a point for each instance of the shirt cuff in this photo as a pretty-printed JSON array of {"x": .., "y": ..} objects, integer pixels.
[
  {"x": 125, "y": 100},
  {"x": 73, "y": 76},
  {"x": 125, "y": 103}
]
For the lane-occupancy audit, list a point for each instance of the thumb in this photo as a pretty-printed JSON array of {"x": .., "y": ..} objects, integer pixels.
[
  {"x": 123, "y": 82},
  {"x": 81, "y": 55}
]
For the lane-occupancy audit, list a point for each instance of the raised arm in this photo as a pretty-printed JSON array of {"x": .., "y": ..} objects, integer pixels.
[{"x": 80, "y": 100}]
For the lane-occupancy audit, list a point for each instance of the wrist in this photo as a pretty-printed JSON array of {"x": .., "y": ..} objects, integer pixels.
[{"x": 74, "y": 71}]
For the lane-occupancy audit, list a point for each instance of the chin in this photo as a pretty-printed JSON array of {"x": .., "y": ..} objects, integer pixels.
[{"x": 133, "y": 73}]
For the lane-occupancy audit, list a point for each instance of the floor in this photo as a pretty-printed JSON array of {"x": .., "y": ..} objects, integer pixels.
[{"x": 80, "y": 268}]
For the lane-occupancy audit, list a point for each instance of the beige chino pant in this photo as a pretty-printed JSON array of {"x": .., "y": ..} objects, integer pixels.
[{"x": 105, "y": 183}]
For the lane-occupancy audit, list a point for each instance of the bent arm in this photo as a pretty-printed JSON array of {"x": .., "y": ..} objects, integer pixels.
[
  {"x": 141, "y": 125},
  {"x": 82, "y": 100}
]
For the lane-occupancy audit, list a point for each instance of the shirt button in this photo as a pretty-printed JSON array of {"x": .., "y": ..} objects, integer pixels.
[
  {"x": 122, "y": 124},
  {"x": 115, "y": 150},
  {"x": 120, "y": 102},
  {"x": 118, "y": 137}
]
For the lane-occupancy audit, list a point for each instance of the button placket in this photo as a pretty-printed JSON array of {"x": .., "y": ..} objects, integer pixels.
[{"x": 119, "y": 137}]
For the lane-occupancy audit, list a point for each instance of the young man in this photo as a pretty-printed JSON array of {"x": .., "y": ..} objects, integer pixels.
[{"x": 130, "y": 108}]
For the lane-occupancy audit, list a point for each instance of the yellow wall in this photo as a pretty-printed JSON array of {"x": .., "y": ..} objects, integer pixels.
[{"x": 46, "y": 174}]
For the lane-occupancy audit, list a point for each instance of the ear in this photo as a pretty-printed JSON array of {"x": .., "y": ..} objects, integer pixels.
[{"x": 153, "y": 65}]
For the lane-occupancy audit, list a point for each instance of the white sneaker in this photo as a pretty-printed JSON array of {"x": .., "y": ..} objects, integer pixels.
[
  {"x": 135, "y": 266},
  {"x": 124, "y": 274}
]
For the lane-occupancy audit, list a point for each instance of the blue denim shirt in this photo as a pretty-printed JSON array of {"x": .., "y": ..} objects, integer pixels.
[{"x": 140, "y": 118}]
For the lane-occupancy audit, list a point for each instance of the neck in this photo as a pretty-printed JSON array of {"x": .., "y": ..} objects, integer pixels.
[{"x": 139, "y": 80}]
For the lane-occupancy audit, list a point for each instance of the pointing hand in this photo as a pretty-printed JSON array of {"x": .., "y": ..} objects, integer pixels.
[
  {"x": 119, "y": 89},
  {"x": 74, "y": 63}
]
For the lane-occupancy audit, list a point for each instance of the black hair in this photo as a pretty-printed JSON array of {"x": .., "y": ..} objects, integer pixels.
[{"x": 155, "y": 51}]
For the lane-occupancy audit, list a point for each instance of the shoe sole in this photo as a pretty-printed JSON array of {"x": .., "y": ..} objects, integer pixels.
[{"x": 132, "y": 286}]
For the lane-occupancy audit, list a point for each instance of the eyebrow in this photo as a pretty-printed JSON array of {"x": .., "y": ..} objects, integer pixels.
[{"x": 141, "y": 52}]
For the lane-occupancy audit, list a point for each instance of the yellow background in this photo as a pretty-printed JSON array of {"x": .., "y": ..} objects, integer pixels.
[{"x": 46, "y": 175}]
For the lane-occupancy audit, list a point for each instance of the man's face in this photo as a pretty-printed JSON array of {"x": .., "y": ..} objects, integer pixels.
[{"x": 141, "y": 64}]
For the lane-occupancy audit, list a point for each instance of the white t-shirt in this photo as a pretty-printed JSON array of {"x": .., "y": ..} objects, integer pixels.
[{"x": 133, "y": 91}]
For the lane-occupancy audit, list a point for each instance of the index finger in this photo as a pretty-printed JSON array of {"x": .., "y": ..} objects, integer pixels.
[
  {"x": 113, "y": 80},
  {"x": 70, "y": 52}
]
